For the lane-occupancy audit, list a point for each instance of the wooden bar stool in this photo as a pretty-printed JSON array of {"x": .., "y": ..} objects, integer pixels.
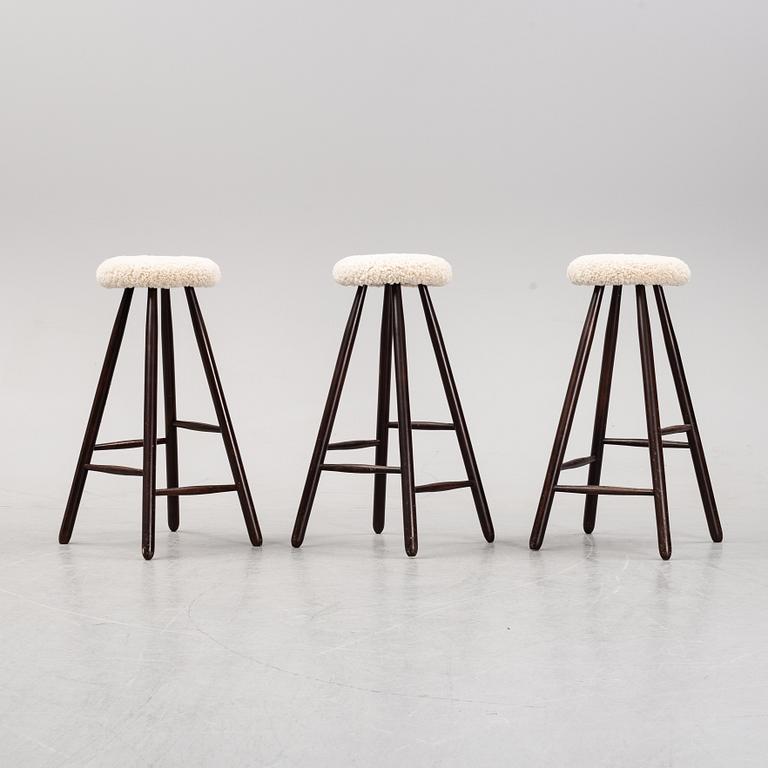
[
  {"x": 618, "y": 270},
  {"x": 159, "y": 273},
  {"x": 392, "y": 271}
]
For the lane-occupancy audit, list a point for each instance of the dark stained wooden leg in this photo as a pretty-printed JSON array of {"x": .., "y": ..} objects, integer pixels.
[
  {"x": 686, "y": 408},
  {"x": 457, "y": 414},
  {"x": 404, "y": 424},
  {"x": 382, "y": 411},
  {"x": 224, "y": 419},
  {"x": 94, "y": 420},
  {"x": 150, "y": 429},
  {"x": 654, "y": 424},
  {"x": 169, "y": 392},
  {"x": 601, "y": 412},
  {"x": 566, "y": 420},
  {"x": 329, "y": 416}
]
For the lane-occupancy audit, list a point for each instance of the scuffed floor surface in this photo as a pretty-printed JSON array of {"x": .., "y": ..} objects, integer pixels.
[{"x": 592, "y": 652}]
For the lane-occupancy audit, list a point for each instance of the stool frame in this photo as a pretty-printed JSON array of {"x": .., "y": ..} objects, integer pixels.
[
  {"x": 655, "y": 441},
  {"x": 392, "y": 343},
  {"x": 149, "y": 442}
]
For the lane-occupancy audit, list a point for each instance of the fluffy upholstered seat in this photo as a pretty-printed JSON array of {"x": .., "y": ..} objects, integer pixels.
[
  {"x": 628, "y": 269},
  {"x": 392, "y": 269},
  {"x": 158, "y": 272}
]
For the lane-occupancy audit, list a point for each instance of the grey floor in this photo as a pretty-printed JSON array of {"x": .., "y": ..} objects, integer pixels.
[{"x": 591, "y": 652}]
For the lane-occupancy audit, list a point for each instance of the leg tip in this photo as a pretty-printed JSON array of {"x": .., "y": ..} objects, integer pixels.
[
  {"x": 379, "y": 516},
  {"x": 665, "y": 554},
  {"x": 590, "y": 517},
  {"x": 63, "y": 539},
  {"x": 297, "y": 541},
  {"x": 147, "y": 553},
  {"x": 535, "y": 545},
  {"x": 173, "y": 527}
]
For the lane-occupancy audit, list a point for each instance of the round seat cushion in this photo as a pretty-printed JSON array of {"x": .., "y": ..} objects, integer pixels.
[
  {"x": 628, "y": 269},
  {"x": 393, "y": 269},
  {"x": 158, "y": 272}
]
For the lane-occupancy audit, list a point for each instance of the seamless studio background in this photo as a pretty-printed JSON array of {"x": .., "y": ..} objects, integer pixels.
[{"x": 277, "y": 137}]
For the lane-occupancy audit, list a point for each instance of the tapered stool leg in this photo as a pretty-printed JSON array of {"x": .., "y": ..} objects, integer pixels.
[
  {"x": 169, "y": 394},
  {"x": 566, "y": 420},
  {"x": 457, "y": 414},
  {"x": 224, "y": 419},
  {"x": 382, "y": 411},
  {"x": 404, "y": 425},
  {"x": 601, "y": 411},
  {"x": 686, "y": 408},
  {"x": 150, "y": 429},
  {"x": 653, "y": 423},
  {"x": 329, "y": 416},
  {"x": 95, "y": 417}
]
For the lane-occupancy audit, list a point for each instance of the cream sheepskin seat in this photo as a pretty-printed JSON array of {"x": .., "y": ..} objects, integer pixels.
[
  {"x": 628, "y": 269},
  {"x": 393, "y": 269},
  {"x": 158, "y": 272}
]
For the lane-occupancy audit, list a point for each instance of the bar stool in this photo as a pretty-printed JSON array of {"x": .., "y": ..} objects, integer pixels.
[
  {"x": 392, "y": 271},
  {"x": 159, "y": 273},
  {"x": 618, "y": 270}
]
